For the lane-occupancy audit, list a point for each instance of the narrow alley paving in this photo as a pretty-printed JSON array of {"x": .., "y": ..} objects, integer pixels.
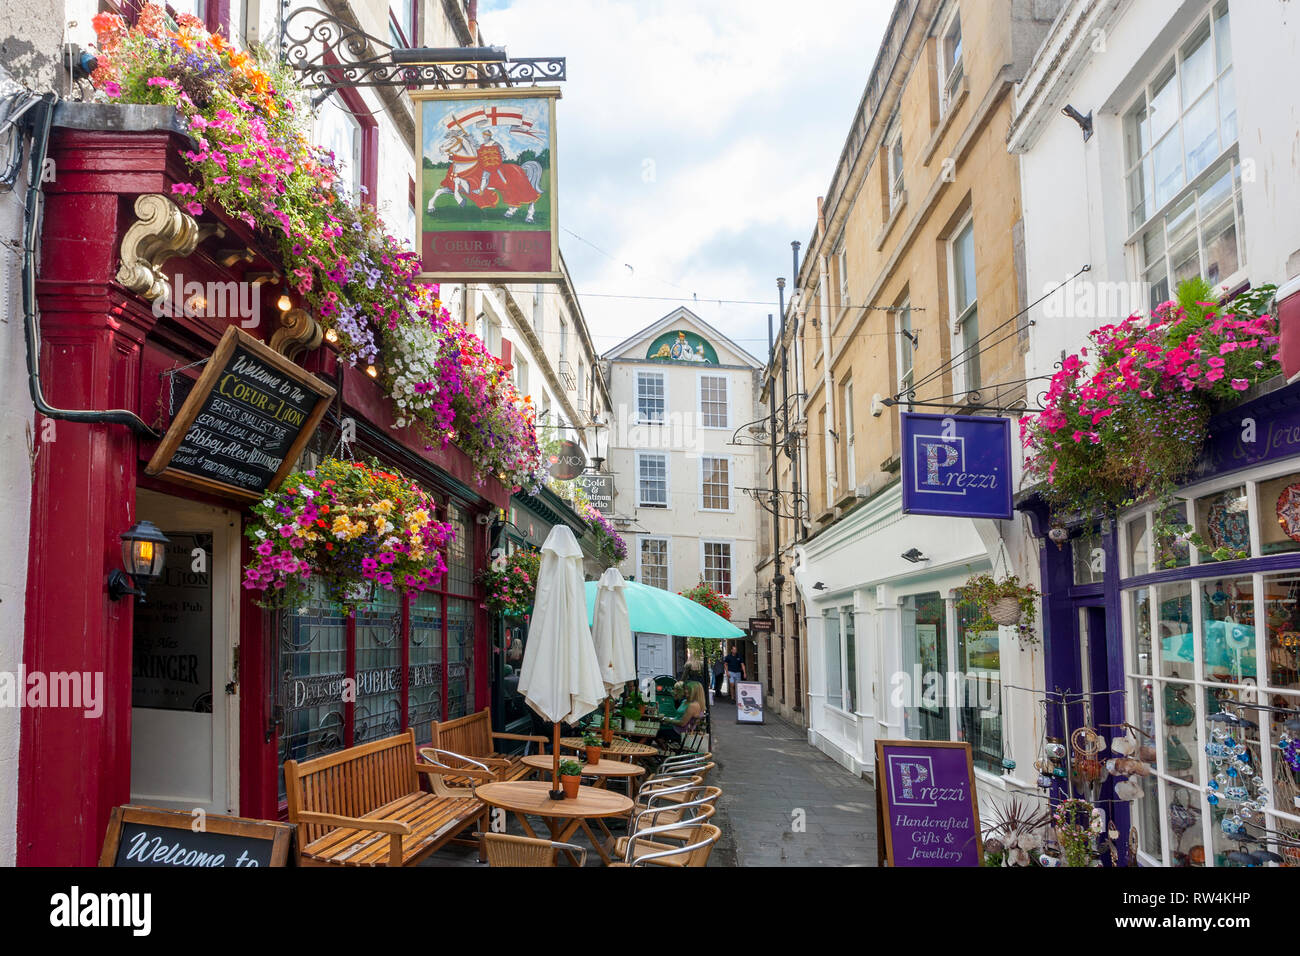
[{"x": 784, "y": 802}]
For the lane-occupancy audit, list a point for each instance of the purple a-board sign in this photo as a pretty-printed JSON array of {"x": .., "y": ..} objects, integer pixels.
[
  {"x": 957, "y": 466},
  {"x": 926, "y": 805}
]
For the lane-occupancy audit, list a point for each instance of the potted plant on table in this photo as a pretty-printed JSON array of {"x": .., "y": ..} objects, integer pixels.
[
  {"x": 570, "y": 778},
  {"x": 629, "y": 713},
  {"x": 591, "y": 742}
]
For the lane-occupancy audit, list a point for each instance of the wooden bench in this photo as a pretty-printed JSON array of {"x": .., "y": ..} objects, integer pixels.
[
  {"x": 364, "y": 807},
  {"x": 473, "y": 737}
]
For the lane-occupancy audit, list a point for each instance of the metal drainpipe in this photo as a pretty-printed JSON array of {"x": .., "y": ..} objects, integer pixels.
[
  {"x": 778, "y": 579},
  {"x": 33, "y": 214},
  {"x": 828, "y": 379}
]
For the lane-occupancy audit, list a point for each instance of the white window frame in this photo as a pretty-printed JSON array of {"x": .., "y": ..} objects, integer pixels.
[
  {"x": 842, "y": 268},
  {"x": 949, "y": 79},
  {"x": 894, "y": 168},
  {"x": 731, "y": 553},
  {"x": 1192, "y": 189},
  {"x": 668, "y": 495},
  {"x": 668, "y": 557},
  {"x": 521, "y": 374},
  {"x": 961, "y": 371},
  {"x": 850, "y": 458},
  {"x": 539, "y": 309},
  {"x": 699, "y": 398},
  {"x": 906, "y": 380},
  {"x": 663, "y": 393},
  {"x": 731, "y": 482}
]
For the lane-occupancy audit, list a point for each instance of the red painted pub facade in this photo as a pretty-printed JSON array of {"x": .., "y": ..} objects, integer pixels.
[{"x": 205, "y": 693}]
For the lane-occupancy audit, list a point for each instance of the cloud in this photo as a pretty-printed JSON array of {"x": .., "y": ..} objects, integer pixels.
[{"x": 694, "y": 139}]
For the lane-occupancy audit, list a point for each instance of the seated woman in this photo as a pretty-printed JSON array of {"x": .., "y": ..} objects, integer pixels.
[{"x": 673, "y": 730}]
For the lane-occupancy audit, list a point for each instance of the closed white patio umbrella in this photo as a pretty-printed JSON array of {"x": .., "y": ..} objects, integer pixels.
[
  {"x": 560, "y": 677},
  {"x": 612, "y": 631}
]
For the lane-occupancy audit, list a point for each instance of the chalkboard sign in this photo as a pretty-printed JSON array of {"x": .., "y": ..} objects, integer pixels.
[
  {"x": 245, "y": 421},
  {"x": 926, "y": 810},
  {"x": 151, "y": 836}
]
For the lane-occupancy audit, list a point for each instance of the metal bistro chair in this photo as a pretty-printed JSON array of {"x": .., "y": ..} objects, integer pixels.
[
  {"x": 666, "y": 785},
  {"x": 640, "y": 851},
  {"x": 699, "y": 804},
  {"x": 475, "y": 773},
  {"x": 682, "y": 773},
  {"x": 504, "y": 849}
]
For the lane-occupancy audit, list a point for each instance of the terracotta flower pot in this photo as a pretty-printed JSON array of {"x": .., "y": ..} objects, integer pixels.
[
  {"x": 593, "y": 755},
  {"x": 570, "y": 786}
]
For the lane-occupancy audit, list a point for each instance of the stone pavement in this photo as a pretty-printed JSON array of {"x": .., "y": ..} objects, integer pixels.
[{"x": 769, "y": 772}]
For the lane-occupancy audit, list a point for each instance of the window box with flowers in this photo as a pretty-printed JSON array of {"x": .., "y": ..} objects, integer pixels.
[
  {"x": 1125, "y": 418},
  {"x": 253, "y": 160}
]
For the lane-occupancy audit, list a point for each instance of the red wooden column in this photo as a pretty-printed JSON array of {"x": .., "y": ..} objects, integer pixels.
[{"x": 73, "y": 768}]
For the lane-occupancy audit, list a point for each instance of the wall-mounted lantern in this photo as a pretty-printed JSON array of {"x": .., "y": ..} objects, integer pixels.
[{"x": 143, "y": 553}]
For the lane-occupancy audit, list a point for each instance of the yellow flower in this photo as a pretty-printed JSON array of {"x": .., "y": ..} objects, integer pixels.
[{"x": 384, "y": 506}]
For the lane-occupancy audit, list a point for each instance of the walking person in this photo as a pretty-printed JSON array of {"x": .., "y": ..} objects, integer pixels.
[
  {"x": 717, "y": 676},
  {"x": 735, "y": 666}
]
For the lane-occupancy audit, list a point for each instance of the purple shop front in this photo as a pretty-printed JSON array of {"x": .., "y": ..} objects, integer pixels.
[
  {"x": 956, "y": 466},
  {"x": 928, "y": 811}
]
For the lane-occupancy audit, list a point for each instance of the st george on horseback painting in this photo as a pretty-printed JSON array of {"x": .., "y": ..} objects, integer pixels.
[{"x": 486, "y": 200}]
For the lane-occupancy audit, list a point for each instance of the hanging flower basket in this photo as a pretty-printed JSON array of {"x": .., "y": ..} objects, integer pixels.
[
  {"x": 355, "y": 527},
  {"x": 1003, "y": 602},
  {"x": 510, "y": 583},
  {"x": 1005, "y": 611}
]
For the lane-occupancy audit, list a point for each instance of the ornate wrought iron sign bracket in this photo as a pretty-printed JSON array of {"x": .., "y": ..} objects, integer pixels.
[{"x": 329, "y": 52}]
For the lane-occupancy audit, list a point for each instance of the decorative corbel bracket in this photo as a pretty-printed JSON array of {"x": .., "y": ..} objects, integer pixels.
[
  {"x": 161, "y": 231},
  {"x": 298, "y": 332}
]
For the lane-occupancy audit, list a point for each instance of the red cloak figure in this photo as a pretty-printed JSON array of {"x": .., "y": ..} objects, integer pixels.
[{"x": 492, "y": 179}]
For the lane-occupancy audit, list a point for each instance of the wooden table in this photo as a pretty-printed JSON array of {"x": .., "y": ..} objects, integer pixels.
[
  {"x": 603, "y": 770},
  {"x": 619, "y": 748},
  {"x": 525, "y": 798}
]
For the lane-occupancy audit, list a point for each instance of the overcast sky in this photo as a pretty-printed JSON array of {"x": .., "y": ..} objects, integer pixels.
[{"x": 694, "y": 139}]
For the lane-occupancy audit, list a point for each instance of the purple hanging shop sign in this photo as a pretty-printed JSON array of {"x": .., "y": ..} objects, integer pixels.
[
  {"x": 927, "y": 810},
  {"x": 957, "y": 466}
]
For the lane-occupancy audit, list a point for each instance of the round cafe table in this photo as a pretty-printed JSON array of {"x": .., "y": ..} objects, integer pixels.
[
  {"x": 623, "y": 749},
  {"x": 603, "y": 770},
  {"x": 525, "y": 798}
]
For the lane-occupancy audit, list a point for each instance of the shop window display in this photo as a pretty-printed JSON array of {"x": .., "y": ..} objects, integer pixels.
[
  {"x": 1139, "y": 554},
  {"x": 1228, "y": 629},
  {"x": 980, "y": 659},
  {"x": 1282, "y": 629},
  {"x": 1279, "y": 514},
  {"x": 1174, "y": 630},
  {"x": 1223, "y": 522},
  {"x": 1217, "y": 705},
  {"x": 925, "y": 653}
]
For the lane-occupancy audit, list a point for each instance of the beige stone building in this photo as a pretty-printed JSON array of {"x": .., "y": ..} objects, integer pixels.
[{"x": 911, "y": 292}]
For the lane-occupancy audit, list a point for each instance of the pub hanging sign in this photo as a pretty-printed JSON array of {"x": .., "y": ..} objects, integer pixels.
[
  {"x": 245, "y": 421},
  {"x": 485, "y": 200},
  {"x": 956, "y": 466}
]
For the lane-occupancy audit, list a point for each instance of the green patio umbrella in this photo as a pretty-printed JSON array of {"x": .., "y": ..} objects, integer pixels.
[{"x": 656, "y": 611}]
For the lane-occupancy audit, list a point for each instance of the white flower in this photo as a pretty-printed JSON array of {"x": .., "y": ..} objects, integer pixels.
[{"x": 261, "y": 533}]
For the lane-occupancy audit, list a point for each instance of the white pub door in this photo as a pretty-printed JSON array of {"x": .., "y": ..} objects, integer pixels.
[
  {"x": 184, "y": 707},
  {"x": 654, "y": 656}
]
